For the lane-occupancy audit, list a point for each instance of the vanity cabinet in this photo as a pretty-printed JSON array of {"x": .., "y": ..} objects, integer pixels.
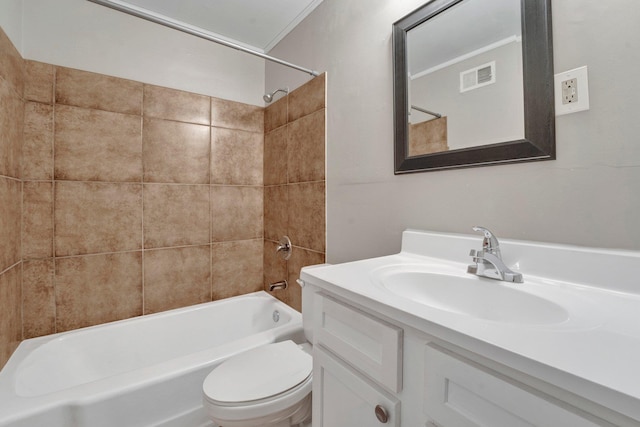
[
  {"x": 366, "y": 369},
  {"x": 357, "y": 367}
]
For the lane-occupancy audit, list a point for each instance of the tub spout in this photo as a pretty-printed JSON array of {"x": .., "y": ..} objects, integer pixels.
[{"x": 278, "y": 285}]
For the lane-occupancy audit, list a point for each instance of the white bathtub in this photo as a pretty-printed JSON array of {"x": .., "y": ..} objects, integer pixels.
[{"x": 146, "y": 371}]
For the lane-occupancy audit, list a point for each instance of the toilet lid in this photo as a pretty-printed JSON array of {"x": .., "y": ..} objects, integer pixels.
[{"x": 259, "y": 373}]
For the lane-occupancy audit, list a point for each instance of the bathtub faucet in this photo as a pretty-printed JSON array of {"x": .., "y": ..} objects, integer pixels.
[
  {"x": 284, "y": 248},
  {"x": 278, "y": 285},
  {"x": 488, "y": 260}
]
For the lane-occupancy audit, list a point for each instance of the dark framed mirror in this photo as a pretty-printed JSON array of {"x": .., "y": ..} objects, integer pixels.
[{"x": 473, "y": 84}]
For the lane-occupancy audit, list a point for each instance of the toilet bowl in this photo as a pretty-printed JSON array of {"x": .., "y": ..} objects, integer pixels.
[{"x": 266, "y": 386}]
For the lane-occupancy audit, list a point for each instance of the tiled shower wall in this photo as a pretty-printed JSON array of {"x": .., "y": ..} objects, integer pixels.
[
  {"x": 11, "y": 118},
  {"x": 294, "y": 179},
  {"x": 136, "y": 199},
  {"x": 119, "y": 198}
]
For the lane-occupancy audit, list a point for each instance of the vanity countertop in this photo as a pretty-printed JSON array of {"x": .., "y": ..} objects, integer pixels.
[{"x": 596, "y": 349}]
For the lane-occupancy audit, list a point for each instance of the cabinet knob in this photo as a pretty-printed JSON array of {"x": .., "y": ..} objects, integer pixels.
[{"x": 381, "y": 414}]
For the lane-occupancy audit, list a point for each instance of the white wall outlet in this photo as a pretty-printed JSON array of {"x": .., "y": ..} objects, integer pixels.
[{"x": 571, "y": 91}]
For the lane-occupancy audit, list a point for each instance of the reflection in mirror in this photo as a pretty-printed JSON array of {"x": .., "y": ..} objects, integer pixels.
[
  {"x": 461, "y": 89},
  {"x": 474, "y": 80}
]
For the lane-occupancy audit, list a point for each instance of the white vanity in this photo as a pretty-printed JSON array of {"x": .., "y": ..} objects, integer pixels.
[{"x": 413, "y": 339}]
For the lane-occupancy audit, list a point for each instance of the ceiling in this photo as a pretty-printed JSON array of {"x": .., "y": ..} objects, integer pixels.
[{"x": 256, "y": 24}]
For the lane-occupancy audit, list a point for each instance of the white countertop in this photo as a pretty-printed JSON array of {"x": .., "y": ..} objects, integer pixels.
[{"x": 597, "y": 349}]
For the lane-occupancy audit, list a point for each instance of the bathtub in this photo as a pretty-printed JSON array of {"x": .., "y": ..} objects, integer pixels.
[{"x": 146, "y": 371}]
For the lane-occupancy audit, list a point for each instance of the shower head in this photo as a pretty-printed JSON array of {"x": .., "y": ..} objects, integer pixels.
[{"x": 268, "y": 97}]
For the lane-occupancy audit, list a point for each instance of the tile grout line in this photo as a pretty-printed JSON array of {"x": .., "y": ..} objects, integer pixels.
[
  {"x": 211, "y": 136},
  {"x": 286, "y": 137},
  {"x": 54, "y": 263},
  {"x": 21, "y": 174},
  {"x": 14, "y": 265},
  {"x": 142, "y": 192}
]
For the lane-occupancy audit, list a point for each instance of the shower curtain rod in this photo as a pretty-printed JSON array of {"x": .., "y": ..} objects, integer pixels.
[
  {"x": 422, "y": 110},
  {"x": 159, "y": 19}
]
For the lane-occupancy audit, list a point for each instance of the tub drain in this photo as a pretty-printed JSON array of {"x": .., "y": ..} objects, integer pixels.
[{"x": 276, "y": 316}]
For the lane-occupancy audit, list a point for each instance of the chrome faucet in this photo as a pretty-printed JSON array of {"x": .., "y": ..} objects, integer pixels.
[
  {"x": 284, "y": 248},
  {"x": 488, "y": 261}
]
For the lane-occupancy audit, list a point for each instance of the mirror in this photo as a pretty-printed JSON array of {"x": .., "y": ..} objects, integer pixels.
[{"x": 473, "y": 84}]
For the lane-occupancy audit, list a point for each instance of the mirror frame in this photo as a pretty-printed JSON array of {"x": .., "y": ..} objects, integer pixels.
[{"x": 539, "y": 121}]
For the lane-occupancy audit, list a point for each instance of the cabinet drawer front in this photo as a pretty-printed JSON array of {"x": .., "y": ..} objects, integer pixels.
[
  {"x": 367, "y": 343},
  {"x": 461, "y": 393}
]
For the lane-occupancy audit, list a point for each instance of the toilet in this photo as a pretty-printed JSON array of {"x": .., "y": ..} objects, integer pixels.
[{"x": 267, "y": 386}]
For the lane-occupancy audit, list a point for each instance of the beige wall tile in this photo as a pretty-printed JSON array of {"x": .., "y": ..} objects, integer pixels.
[
  {"x": 275, "y": 268},
  {"x": 176, "y": 277},
  {"x": 97, "y": 91},
  {"x": 176, "y": 215},
  {"x": 11, "y": 64},
  {"x": 38, "y": 81},
  {"x": 275, "y": 114},
  {"x": 37, "y": 219},
  {"x": 172, "y": 104},
  {"x": 275, "y": 157},
  {"x": 236, "y": 213},
  {"x": 307, "y": 215},
  {"x": 235, "y": 115},
  {"x": 11, "y": 124},
  {"x": 276, "y": 212},
  {"x": 37, "y": 148},
  {"x": 176, "y": 152},
  {"x": 307, "y": 98},
  {"x": 94, "y": 145},
  {"x": 38, "y": 298},
  {"x": 97, "y": 289},
  {"x": 236, "y": 268},
  {"x": 306, "y": 148},
  {"x": 93, "y": 217},
  {"x": 236, "y": 157},
  {"x": 11, "y": 310},
  {"x": 299, "y": 258},
  {"x": 10, "y": 220},
  {"x": 427, "y": 137}
]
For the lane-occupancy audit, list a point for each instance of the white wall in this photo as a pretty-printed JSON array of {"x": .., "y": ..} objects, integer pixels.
[
  {"x": 83, "y": 35},
  {"x": 589, "y": 196},
  {"x": 486, "y": 115},
  {"x": 11, "y": 21}
]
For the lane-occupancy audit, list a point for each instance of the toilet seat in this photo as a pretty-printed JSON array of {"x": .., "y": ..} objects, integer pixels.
[{"x": 259, "y": 382}]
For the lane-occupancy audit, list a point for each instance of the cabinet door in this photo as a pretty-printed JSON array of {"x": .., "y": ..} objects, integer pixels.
[
  {"x": 461, "y": 393},
  {"x": 344, "y": 398}
]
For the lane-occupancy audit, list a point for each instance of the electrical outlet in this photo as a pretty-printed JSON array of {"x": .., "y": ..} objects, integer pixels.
[{"x": 571, "y": 91}]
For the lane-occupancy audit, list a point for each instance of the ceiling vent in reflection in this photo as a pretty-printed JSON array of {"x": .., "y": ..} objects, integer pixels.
[{"x": 474, "y": 78}]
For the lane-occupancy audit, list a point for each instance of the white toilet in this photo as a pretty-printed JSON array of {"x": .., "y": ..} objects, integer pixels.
[{"x": 268, "y": 386}]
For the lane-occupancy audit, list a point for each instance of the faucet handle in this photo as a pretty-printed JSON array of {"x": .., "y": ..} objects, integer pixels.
[
  {"x": 284, "y": 248},
  {"x": 490, "y": 242}
]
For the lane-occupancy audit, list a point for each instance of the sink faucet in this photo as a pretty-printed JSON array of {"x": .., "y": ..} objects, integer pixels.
[{"x": 488, "y": 261}]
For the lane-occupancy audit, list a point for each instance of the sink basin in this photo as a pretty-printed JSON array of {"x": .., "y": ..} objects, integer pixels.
[{"x": 470, "y": 295}]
